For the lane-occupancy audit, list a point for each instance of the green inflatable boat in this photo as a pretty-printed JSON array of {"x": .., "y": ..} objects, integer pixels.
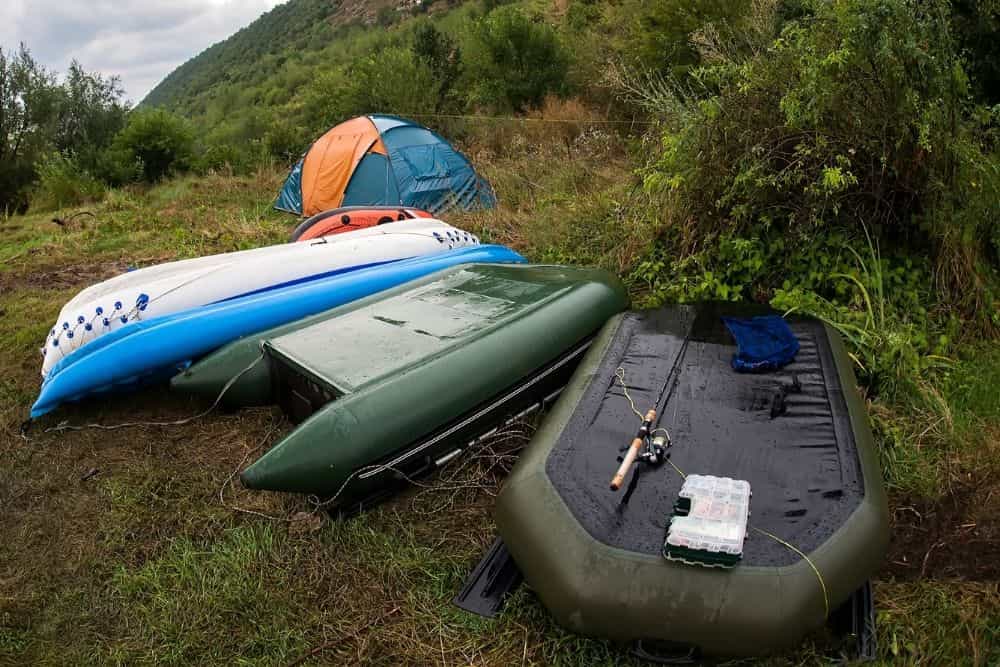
[
  {"x": 392, "y": 386},
  {"x": 793, "y": 444}
]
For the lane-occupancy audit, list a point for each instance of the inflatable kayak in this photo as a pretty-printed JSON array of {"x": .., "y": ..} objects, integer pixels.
[
  {"x": 152, "y": 292},
  {"x": 349, "y": 218},
  {"x": 793, "y": 443},
  {"x": 145, "y": 349},
  {"x": 430, "y": 367}
]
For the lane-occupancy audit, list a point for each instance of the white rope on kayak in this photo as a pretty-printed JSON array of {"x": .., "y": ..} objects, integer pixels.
[
  {"x": 620, "y": 374},
  {"x": 177, "y": 422}
]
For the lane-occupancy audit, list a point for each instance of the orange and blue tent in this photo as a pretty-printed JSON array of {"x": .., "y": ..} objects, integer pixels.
[{"x": 383, "y": 160}]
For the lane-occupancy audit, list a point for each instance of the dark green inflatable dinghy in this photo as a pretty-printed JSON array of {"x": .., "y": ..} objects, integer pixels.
[
  {"x": 798, "y": 436},
  {"x": 392, "y": 386}
]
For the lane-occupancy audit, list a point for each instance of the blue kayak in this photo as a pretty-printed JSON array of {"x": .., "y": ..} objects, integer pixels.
[{"x": 145, "y": 350}]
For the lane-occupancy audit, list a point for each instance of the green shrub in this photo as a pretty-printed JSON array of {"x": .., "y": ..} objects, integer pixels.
[
  {"x": 62, "y": 182},
  {"x": 858, "y": 114},
  {"x": 390, "y": 80},
  {"x": 160, "y": 141},
  {"x": 116, "y": 166},
  {"x": 977, "y": 28},
  {"x": 386, "y": 16},
  {"x": 880, "y": 313},
  {"x": 442, "y": 55},
  {"x": 656, "y": 34},
  {"x": 284, "y": 141},
  {"x": 880, "y": 304},
  {"x": 514, "y": 61},
  {"x": 231, "y": 158}
]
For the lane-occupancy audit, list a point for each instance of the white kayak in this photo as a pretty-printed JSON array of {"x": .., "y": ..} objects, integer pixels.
[{"x": 168, "y": 288}]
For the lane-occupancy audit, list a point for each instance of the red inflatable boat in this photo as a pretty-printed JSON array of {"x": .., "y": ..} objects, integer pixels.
[{"x": 348, "y": 218}]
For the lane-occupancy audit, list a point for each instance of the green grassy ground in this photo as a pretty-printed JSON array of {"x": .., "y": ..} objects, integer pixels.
[{"x": 134, "y": 547}]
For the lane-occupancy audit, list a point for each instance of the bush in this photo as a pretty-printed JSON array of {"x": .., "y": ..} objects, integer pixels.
[
  {"x": 657, "y": 33},
  {"x": 879, "y": 303},
  {"x": 440, "y": 53},
  {"x": 514, "y": 61},
  {"x": 62, "y": 183},
  {"x": 386, "y": 16},
  {"x": 160, "y": 141},
  {"x": 389, "y": 80},
  {"x": 858, "y": 114}
]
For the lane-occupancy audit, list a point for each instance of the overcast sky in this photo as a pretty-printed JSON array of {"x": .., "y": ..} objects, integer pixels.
[{"x": 141, "y": 41}]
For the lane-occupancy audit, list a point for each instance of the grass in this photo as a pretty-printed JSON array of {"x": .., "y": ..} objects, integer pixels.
[{"x": 115, "y": 547}]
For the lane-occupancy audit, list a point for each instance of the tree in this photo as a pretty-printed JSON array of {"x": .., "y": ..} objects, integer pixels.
[
  {"x": 159, "y": 140},
  {"x": 439, "y": 52},
  {"x": 92, "y": 111},
  {"x": 516, "y": 61},
  {"x": 28, "y": 109}
]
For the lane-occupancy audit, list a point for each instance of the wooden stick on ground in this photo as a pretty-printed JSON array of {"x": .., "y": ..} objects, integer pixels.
[{"x": 342, "y": 640}]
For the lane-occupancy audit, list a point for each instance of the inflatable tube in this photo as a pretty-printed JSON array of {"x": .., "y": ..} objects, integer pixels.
[
  {"x": 350, "y": 218},
  {"x": 142, "y": 349},
  {"x": 169, "y": 288}
]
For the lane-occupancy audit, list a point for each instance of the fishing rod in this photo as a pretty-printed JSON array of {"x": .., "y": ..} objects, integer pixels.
[{"x": 657, "y": 455}]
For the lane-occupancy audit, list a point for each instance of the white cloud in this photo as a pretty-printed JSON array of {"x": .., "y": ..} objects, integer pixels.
[{"x": 140, "y": 41}]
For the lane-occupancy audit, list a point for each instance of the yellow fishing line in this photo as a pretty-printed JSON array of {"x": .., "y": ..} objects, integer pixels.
[
  {"x": 620, "y": 374},
  {"x": 789, "y": 545},
  {"x": 679, "y": 471}
]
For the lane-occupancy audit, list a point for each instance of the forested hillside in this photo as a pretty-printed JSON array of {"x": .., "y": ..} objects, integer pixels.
[
  {"x": 249, "y": 56},
  {"x": 271, "y": 87}
]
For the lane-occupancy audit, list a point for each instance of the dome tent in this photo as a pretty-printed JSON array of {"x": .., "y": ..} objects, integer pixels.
[{"x": 378, "y": 159}]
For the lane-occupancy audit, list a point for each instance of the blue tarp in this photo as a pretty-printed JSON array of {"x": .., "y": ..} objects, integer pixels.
[{"x": 763, "y": 343}]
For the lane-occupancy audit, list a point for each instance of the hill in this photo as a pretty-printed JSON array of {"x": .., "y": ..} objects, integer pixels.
[
  {"x": 280, "y": 69},
  {"x": 247, "y": 56}
]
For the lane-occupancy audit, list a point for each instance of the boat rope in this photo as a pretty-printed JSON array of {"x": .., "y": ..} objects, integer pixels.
[
  {"x": 232, "y": 476},
  {"x": 176, "y": 422},
  {"x": 620, "y": 374},
  {"x": 525, "y": 119}
]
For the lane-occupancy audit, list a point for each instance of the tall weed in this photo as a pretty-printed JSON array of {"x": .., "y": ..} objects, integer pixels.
[{"x": 62, "y": 183}]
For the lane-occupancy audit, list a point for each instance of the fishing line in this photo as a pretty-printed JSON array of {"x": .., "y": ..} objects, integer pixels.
[
  {"x": 620, "y": 374},
  {"x": 789, "y": 545}
]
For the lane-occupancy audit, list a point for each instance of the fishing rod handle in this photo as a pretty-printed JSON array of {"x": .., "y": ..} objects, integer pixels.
[{"x": 633, "y": 452}]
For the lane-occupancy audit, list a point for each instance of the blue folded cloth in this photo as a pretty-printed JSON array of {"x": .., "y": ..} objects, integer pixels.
[{"x": 763, "y": 343}]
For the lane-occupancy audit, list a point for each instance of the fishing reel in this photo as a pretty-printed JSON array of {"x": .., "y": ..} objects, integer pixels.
[{"x": 656, "y": 451}]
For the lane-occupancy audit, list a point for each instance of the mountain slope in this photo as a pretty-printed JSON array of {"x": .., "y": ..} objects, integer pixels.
[
  {"x": 298, "y": 30},
  {"x": 295, "y": 25}
]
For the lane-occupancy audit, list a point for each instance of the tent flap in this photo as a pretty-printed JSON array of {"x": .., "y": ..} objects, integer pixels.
[
  {"x": 372, "y": 183},
  {"x": 290, "y": 197}
]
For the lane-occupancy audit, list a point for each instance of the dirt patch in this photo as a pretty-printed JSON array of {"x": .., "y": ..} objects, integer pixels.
[
  {"x": 61, "y": 277},
  {"x": 72, "y": 275},
  {"x": 955, "y": 537}
]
